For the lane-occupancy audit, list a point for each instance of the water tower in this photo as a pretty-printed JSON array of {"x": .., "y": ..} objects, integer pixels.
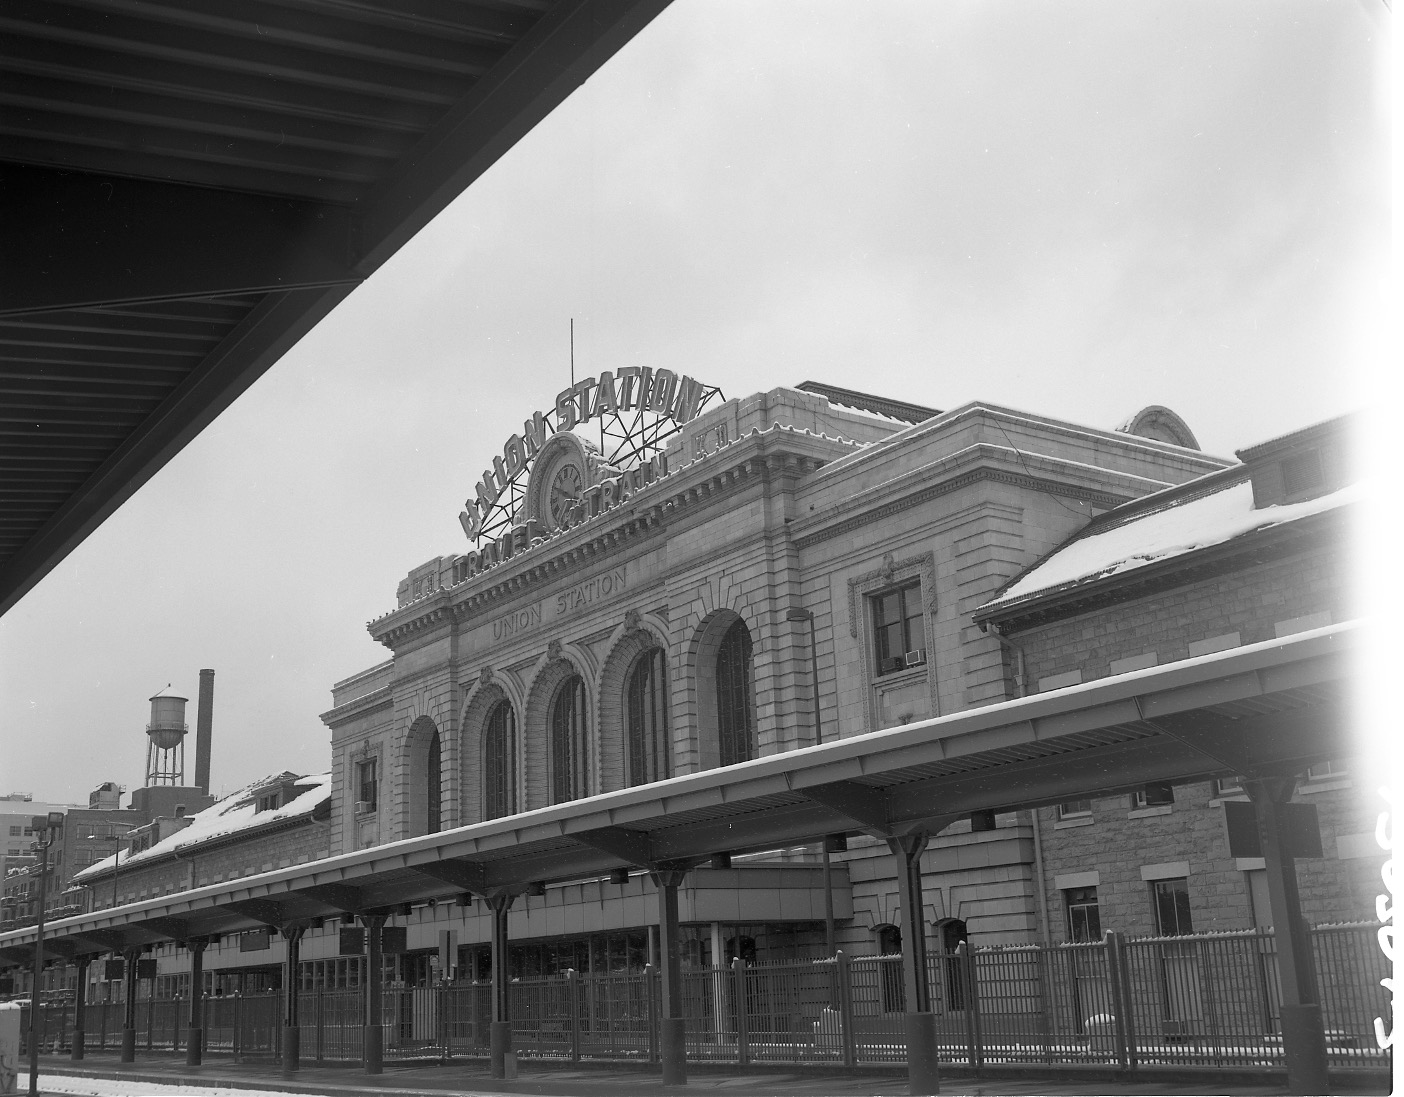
[{"x": 165, "y": 751}]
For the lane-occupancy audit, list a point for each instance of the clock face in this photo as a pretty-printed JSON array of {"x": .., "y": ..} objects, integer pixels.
[{"x": 564, "y": 489}]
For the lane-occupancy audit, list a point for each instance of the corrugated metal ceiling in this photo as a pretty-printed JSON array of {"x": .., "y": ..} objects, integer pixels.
[{"x": 190, "y": 186}]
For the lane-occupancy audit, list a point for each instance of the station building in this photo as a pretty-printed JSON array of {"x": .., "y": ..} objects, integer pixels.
[{"x": 791, "y": 568}]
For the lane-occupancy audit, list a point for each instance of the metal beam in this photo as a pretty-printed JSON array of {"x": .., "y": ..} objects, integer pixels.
[
  {"x": 458, "y": 874},
  {"x": 264, "y": 911},
  {"x": 339, "y": 897},
  {"x": 630, "y": 846},
  {"x": 868, "y": 807},
  {"x": 72, "y": 240},
  {"x": 1284, "y": 742}
]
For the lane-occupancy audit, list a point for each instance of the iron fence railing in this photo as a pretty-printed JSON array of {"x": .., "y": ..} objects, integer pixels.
[{"x": 1207, "y": 1000}]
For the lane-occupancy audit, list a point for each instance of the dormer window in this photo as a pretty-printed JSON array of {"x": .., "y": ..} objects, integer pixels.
[
  {"x": 1301, "y": 473},
  {"x": 267, "y": 802}
]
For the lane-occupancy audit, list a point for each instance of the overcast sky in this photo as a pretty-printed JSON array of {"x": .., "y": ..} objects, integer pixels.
[{"x": 1077, "y": 207}]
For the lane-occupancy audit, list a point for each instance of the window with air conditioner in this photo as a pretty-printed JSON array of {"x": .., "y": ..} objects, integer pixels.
[
  {"x": 899, "y": 634},
  {"x": 367, "y": 786}
]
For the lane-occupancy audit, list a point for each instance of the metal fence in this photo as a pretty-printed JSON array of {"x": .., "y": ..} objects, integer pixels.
[{"x": 1209, "y": 1000}]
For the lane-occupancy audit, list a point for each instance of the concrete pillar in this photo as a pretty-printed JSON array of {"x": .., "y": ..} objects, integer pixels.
[
  {"x": 500, "y": 1040},
  {"x": 195, "y": 1044},
  {"x": 671, "y": 1026},
  {"x": 920, "y": 1023},
  {"x": 292, "y": 1023},
  {"x": 130, "y": 958},
  {"x": 80, "y": 1008},
  {"x": 373, "y": 1034},
  {"x": 1303, "y": 1033}
]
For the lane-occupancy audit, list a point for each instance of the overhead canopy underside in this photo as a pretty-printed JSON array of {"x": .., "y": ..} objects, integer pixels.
[
  {"x": 1272, "y": 707},
  {"x": 190, "y": 186}
]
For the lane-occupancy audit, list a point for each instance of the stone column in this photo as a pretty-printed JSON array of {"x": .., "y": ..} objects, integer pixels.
[
  {"x": 195, "y": 1043},
  {"x": 500, "y": 1039},
  {"x": 373, "y": 1034},
  {"x": 920, "y": 1023},
  {"x": 292, "y": 1023},
  {"x": 80, "y": 1007},
  {"x": 671, "y": 1026},
  {"x": 1303, "y": 1034}
]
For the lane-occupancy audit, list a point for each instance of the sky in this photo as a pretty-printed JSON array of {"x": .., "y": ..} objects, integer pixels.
[{"x": 1077, "y": 208}]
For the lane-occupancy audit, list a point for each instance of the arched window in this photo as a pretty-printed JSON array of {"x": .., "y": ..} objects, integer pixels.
[
  {"x": 568, "y": 755},
  {"x": 499, "y": 756},
  {"x": 734, "y": 720},
  {"x": 646, "y": 718},
  {"x": 894, "y": 990},
  {"x": 433, "y": 790}
]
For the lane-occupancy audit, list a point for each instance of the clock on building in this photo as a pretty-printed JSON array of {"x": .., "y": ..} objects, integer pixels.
[{"x": 565, "y": 468}]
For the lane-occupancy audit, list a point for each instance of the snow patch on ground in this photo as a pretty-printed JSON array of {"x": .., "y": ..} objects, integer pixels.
[{"x": 112, "y": 1087}]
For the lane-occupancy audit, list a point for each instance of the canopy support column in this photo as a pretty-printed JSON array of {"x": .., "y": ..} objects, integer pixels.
[
  {"x": 671, "y": 1029},
  {"x": 920, "y": 1023},
  {"x": 1303, "y": 1034},
  {"x": 195, "y": 1042},
  {"x": 80, "y": 1007},
  {"x": 373, "y": 1034},
  {"x": 500, "y": 1040},
  {"x": 129, "y": 972},
  {"x": 292, "y": 1023}
]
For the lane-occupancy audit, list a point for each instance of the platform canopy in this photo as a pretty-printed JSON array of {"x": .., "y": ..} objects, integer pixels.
[
  {"x": 190, "y": 185},
  {"x": 1270, "y": 708}
]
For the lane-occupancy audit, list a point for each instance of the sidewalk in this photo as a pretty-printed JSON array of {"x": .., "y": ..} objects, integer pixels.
[{"x": 609, "y": 1081}]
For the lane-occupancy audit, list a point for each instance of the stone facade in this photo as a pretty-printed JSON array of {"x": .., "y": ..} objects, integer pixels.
[{"x": 787, "y": 513}]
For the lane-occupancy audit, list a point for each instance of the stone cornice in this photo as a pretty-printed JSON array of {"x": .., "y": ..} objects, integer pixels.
[
  {"x": 357, "y": 705},
  {"x": 981, "y": 462},
  {"x": 779, "y": 452}
]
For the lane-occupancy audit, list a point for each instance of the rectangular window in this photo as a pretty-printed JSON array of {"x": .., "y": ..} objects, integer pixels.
[
  {"x": 1139, "y": 799},
  {"x": 366, "y": 783},
  {"x": 1172, "y": 907},
  {"x": 1074, "y": 809},
  {"x": 16, "y": 832},
  {"x": 897, "y": 629},
  {"x": 1084, "y": 921},
  {"x": 267, "y": 803}
]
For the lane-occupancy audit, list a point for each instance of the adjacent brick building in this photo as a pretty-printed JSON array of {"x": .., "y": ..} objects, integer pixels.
[{"x": 1242, "y": 556}]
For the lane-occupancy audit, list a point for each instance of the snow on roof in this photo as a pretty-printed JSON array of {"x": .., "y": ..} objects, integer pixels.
[
  {"x": 1181, "y": 527},
  {"x": 237, "y": 811}
]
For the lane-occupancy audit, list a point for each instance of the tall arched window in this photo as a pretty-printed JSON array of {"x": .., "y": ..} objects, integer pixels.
[
  {"x": 734, "y": 719},
  {"x": 499, "y": 756},
  {"x": 646, "y": 718},
  {"x": 892, "y": 981},
  {"x": 568, "y": 755},
  {"x": 433, "y": 789}
]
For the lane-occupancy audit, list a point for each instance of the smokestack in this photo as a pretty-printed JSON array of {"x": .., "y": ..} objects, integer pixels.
[{"x": 202, "y": 731}]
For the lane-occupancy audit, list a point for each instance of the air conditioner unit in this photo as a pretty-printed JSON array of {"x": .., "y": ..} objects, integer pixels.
[
  {"x": 915, "y": 658},
  {"x": 363, "y": 807}
]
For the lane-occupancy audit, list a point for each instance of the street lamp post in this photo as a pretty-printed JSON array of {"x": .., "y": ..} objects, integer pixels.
[
  {"x": 46, "y": 828},
  {"x": 116, "y": 854}
]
